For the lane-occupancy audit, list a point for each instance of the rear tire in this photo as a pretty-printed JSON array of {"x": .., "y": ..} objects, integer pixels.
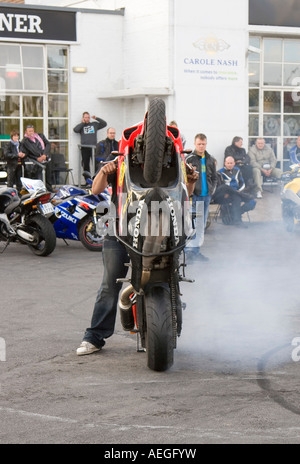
[
  {"x": 155, "y": 141},
  {"x": 159, "y": 335},
  {"x": 47, "y": 236}
]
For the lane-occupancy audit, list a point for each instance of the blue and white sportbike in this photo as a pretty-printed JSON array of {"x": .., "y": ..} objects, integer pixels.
[{"x": 78, "y": 215}]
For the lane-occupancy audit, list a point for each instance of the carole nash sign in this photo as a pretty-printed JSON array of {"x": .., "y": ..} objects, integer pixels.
[{"x": 39, "y": 24}]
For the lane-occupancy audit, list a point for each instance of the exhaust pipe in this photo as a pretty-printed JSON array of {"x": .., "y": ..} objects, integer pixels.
[{"x": 25, "y": 235}]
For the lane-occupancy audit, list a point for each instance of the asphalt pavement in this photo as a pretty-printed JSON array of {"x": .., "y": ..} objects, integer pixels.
[{"x": 236, "y": 373}]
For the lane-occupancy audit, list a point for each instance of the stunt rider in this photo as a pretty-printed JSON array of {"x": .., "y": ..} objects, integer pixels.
[{"x": 115, "y": 258}]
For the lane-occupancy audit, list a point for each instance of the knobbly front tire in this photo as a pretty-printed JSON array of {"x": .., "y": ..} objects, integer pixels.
[
  {"x": 88, "y": 235},
  {"x": 159, "y": 334},
  {"x": 155, "y": 141},
  {"x": 46, "y": 235}
]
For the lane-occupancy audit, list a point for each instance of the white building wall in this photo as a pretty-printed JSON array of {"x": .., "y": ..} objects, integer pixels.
[
  {"x": 207, "y": 98},
  {"x": 99, "y": 50}
]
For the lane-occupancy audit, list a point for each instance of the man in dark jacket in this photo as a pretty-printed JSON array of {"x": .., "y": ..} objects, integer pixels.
[
  {"x": 106, "y": 146},
  {"x": 88, "y": 136},
  {"x": 203, "y": 190},
  {"x": 37, "y": 148},
  {"x": 242, "y": 160}
]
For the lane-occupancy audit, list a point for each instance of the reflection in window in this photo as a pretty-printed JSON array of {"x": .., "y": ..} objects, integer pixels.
[
  {"x": 254, "y": 74},
  {"x": 58, "y": 128},
  {"x": 272, "y": 126},
  {"x": 272, "y": 74},
  {"x": 292, "y": 51},
  {"x": 253, "y": 100},
  {"x": 292, "y": 123},
  {"x": 253, "y": 125},
  {"x": 272, "y": 102},
  {"x": 7, "y": 125},
  {"x": 34, "y": 79},
  {"x": 57, "y": 57},
  {"x": 291, "y": 74},
  {"x": 12, "y": 78},
  {"x": 57, "y": 81},
  {"x": 254, "y": 42},
  {"x": 9, "y": 54},
  {"x": 9, "y": 105},
  {"x": 273, "y": 50},
  {"x": 57, "y": 106},
  {"x": 32, "y": 56},
  {"x": 33, "y": 107},
  {"x": 291, "y": 102}
]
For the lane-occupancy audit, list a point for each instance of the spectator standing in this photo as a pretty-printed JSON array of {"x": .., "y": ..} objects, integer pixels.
[
  {"x": 263, "y": 162},
  {"x": 88, "y": 136},
  {"x": 242, "y": 160},
  {"x": 15, "y": 159},
  {"x": 203, "y": 190},
  {"x": 37, "y": 148}
]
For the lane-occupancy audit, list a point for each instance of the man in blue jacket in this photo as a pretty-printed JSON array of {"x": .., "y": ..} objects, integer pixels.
[{"x": 295, "y": 152}]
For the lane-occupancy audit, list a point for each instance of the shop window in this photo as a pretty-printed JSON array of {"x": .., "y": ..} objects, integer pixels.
[
  {"x": 57, "y": 81},
  {"x": 7, "y": 125},
  {"x": 32, "y": 56},
  {"x": 253, "y": 100},
  {"x": 292, "y": 51},
  {"x": 58, "y": 106},
  {"x": 275, "y": 116},
  {"x": 272, "y": 74},
  {"x": 33, "y": 106},
  {"x": 57, "y": 57},
  {"x": 272, "y": 102},
  {"x": 9, "y": 105},
  {"x": 58, "y": 128},
  {"x": 34, "y": 79}
]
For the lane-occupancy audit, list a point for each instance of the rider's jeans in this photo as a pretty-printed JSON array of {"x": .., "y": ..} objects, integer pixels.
[{"x": 104, "y": 316}]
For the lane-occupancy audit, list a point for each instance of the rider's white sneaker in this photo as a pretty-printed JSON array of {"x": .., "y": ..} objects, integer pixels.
[{"x": 86, "y": 348}]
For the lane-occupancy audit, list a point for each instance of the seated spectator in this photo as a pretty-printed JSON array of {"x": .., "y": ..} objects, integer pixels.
[
  {"x": 229, "y": 192},
  {"x": 295, "y": 152},
  {"x": 15, "y": 159},
  {"x": 263, "y": 162},
  {"x": 37, "y": 148},
  {"x": 242, "y": 160}
]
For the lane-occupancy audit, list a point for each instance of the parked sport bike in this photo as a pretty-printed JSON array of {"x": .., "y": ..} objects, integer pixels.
[
  {"x": 154, "y": 224},
  {"x": 25, "y": 219},
  {"x": 78, "y": 215},
  {"x": 290, "y": 197}
]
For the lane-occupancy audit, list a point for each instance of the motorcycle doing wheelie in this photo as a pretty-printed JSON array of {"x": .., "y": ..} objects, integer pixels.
[
  {"x": 25, "y": 219},
  {"x": 154, "y": 224},
  {"x": 78, "y": 215},
  {"x": 290, "y": 197}
]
